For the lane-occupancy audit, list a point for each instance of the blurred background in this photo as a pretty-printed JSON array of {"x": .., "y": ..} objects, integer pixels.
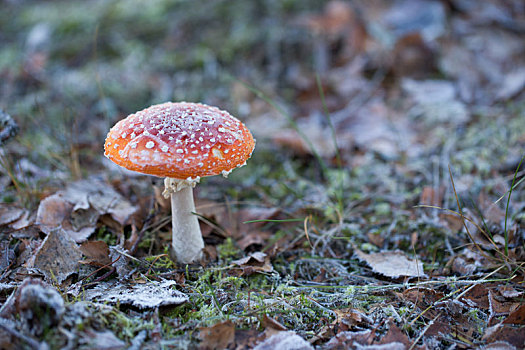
[{"x": 343, "y": 81}]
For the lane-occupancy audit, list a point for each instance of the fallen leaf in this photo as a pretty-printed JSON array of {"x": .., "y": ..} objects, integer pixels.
[
  {"x": 498, "y": 307},
  {"x": 54, "y": 212},
  {"x": 120, "y": 262},
  {"x": 58, "y": 256},
  {"x": 452, "y": 221},
  {"x": 218, "y": 336},
  {"x": 395, "y": 336},
  {"x": 347, "y": 318},
  {"x": 253, "y": 263},
  {"x": 467, "y": 262},
  {"x": 9, "y": 213},
  {"x": 284, "y": 341},
  {"x": 478, "y": 296},
  {"x": 505, "y": 333},
  {"x": 392, "y": 264},
  {"x": 144, "y": 296},
  {"x": 97, "y": 253},
  {"x": 78, "y": 208},
  {"x": 269, "y": 322},
  {"x": 516, "y": 317}
]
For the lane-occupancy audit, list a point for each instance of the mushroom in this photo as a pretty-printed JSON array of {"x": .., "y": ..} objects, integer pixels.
[{"x": 182, "y": 142}]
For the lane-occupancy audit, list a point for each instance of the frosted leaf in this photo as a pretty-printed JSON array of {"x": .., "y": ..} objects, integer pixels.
[
  {"x": 392, "y": 264},
  {"x": 144, "y": 296}
]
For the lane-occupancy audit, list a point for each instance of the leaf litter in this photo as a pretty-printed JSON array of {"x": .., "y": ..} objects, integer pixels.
[{"x": 387, "y": 94}]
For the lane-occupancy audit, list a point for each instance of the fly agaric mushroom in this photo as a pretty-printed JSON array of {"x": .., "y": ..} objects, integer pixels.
[{"x": 181, "y": 142}]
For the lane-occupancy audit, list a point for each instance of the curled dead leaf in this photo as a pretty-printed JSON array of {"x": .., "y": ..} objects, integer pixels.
[
  {"x": 253, "y": 263},
  {"x": 77, "y": 208}
]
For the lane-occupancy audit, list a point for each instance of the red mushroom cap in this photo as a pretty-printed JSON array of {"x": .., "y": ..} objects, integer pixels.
[{"x": 179, "y": 140}]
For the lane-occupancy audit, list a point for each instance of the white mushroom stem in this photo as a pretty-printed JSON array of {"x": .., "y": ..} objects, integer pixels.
[{"x": 187, "y": 243}]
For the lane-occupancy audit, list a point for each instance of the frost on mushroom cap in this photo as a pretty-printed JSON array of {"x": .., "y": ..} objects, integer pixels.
[{"x": 179, "y": 140}]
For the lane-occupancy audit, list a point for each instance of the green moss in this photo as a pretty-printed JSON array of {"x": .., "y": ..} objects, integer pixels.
[{"x": 228, "y": 250}]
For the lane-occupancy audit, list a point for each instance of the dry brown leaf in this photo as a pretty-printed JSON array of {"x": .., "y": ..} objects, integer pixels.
[
  {"x": 498, "y": 307},
  {"x": 505, "y": 333},
  {"x": 253, "y": 263},
  {"x": 269, "y": 322},
  {"x": 452, "y": 221},
  {"x": 218, "y": 336},
  {"x": 396, "y": 336},
  {"x": 516, "y": 317},
  {"x": 467, "y": 262},
  {"x": 347, "y": 318},
  {"x": 376, "y": 239},
  {"x": 56, "y": 211},
  {"x": 58, "y": 256},
  {"x": 478, "y": 296},
  {"x": 392, "y": 264},
  {"x": 97, "y": 253},
  {"x": 78, "y": 208}
]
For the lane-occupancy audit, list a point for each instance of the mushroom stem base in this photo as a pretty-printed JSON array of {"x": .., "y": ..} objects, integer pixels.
[{"x": 187, "y": 243}]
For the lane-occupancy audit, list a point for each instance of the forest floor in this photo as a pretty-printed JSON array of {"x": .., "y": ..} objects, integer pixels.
[{"x": 382, "y": 208}]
